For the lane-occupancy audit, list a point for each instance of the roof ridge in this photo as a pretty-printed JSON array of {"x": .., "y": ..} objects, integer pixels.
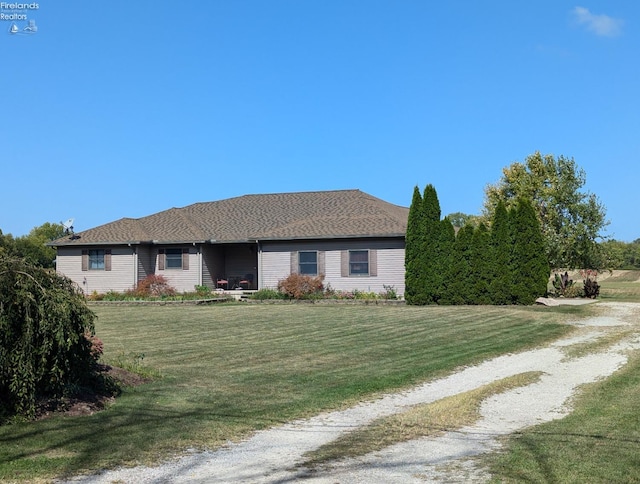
[{"x": 276, "y": 194}]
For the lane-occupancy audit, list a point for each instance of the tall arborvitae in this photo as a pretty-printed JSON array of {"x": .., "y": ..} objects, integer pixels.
[
  {"x": 414, "y": 241},
  {"x": 501, "y": 248},
  {"x": 481, "y": 265},
  {"x": 445, "y": 260},
  {"x": 461, "y": 270},
  {"x": 529, "y": 265},
  {"x": 430, "y": 278}
]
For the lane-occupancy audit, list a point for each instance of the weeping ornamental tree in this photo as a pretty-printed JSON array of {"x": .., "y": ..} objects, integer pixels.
[{"x": 45, "y": 326}]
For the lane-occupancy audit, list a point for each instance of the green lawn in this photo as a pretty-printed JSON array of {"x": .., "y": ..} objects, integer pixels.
[
  {"x": 598, "y": 443},
  {"x": 228, "y": 370}
]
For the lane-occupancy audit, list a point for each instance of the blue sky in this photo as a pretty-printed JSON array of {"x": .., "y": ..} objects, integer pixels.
[{"x": 127, "y": 108}]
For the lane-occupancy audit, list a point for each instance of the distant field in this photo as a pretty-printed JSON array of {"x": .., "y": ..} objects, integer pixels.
[
  {"x": 620, "y": 285},
  {"x": 228, "y": 370}
]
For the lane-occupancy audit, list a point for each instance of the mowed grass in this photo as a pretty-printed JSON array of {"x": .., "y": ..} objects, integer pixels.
[
  {"x": 622, "y": 286},
  {"x": 229, "y": 370},
  {"x": 599, "y": 442}
]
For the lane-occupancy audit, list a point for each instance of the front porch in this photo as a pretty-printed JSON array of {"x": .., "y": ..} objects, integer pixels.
[
  {"x": 231, "y": 267},
  {"x": 236, "y": 294}
]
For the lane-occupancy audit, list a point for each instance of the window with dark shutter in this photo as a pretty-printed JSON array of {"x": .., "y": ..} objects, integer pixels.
[
  {"x": 321, "y": 263},
  {"x": 358, "y": 262},
  {"x": 96, "y": 259},
  {"x": 161, "y": 259},
  {"x": 185, "y": 259},
  {"x": 107, "y": 259},
  {"x": 173, "y": 259},
  {"x": 373, "y": 262},
  {"x": 344, "y": 263},
  {"x": 85, "y": 260},
  {"x": 308, "y": 262}
]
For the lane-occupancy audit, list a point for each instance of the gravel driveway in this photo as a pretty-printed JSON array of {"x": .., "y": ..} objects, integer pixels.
[{"x": 271, "y": 456}]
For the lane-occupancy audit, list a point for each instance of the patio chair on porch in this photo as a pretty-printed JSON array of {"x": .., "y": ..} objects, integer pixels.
[
  {"x": 222, "y": 283},
  {"x": 247, "y": 282}
]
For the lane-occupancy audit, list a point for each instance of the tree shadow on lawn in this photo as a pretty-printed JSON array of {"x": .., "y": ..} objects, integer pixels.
[
  {"x": 141, "y": 426},
  {"x": 549, "y": 456}
]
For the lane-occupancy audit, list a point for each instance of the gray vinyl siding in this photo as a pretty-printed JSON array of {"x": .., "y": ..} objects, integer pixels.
[
  {"x": 146, "y": 261},
  {"x": 182, "y": 280},
  {"x": 276, "y": 263},
  {"x": 120, "y": 278}
]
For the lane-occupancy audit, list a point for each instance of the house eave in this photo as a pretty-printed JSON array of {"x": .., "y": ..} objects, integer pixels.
[
  {"x": 57, "y": 243},
  {"x": 334, "y": 237}
]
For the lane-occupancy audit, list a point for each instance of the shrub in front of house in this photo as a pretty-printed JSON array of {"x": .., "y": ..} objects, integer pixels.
[
  {"x": 267, "y": 293},
  {"x": 153, "y": 285},
  {"x": 302, "y": 286}
]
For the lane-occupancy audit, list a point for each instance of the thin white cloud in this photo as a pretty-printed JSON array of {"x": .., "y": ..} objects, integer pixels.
[{"x": 601, "y": 25}]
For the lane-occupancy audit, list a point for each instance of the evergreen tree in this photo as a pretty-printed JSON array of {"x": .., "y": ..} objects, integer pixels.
[
  {"x": 461, "y": 269},
  {"x": 530, "y": 264},
  {"x": 445, "y": 260},
  {"x": 481, "y": 265},
  {"x": 414, "y": 241},
  {"x": 501, "y": 247},
  {"x": 431, "y": 280}
]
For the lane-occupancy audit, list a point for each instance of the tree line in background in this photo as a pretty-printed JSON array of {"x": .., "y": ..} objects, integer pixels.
[
  {"x": 506, "y": 264},
  {"x": 32, "y": 247}
]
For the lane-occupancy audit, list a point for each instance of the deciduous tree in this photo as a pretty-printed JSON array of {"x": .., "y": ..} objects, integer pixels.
[
  {"x": 571, "y": 219},
  {"x": 44, "y": 328}
]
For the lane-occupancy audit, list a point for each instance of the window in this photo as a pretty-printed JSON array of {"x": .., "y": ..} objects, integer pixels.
[
  {"x": 308, "y": 263},
  {"x": 173, "y": 259},
  {"x": 96, "y": 260},
  {"x": 358, "y": 262}
]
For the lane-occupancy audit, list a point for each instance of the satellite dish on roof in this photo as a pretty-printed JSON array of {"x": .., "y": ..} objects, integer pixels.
[{"x": 68, "y": 226}]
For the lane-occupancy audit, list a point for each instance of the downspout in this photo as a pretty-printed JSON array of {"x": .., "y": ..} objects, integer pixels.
[
  {"x": 259, "y": 250},
  {"x": 199, "y": 254},
  {"x": 134, "y": 253}
]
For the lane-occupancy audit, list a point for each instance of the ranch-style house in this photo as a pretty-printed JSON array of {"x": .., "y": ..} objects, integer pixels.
[{"x": 253, "y": 241}]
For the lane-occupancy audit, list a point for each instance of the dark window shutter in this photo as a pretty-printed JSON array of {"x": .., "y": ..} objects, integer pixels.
[
  {"x": 161, "y": 259},
  {"x": 294, "y": 262},
  {"x": 373, "y": 262},
  {"x": 185, "y": 259},
  {"x": 321, "y": 265},
  {"x": 85, "y": 260},
  {"x": 107, "y": 259},
  {"x": 344, "y": 263}
]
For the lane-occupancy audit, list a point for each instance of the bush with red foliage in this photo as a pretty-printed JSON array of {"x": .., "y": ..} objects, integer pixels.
[
  {"x": 153, "y": 286},
  {"x": 97, "y": 346},
  {"x": 302, "y": 286}
]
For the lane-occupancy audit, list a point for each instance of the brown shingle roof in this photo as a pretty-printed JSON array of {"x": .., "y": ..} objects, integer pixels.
[{"x": 308, "y": 215}]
